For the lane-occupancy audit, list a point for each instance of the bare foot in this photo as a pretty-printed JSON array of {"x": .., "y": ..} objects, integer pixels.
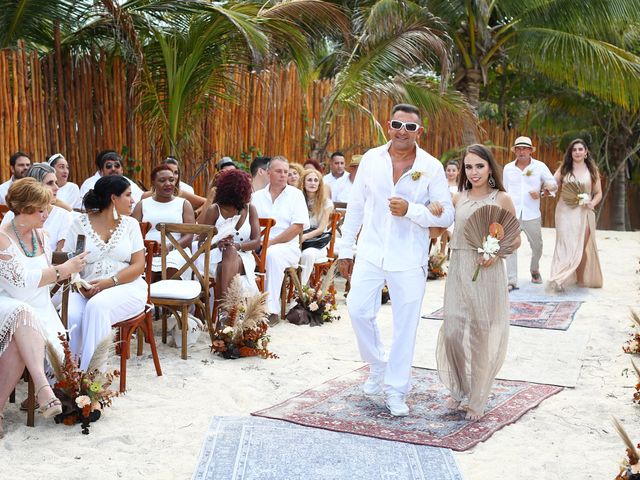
[
  {"x": 473, "y": 416},
  {"x": 452, "y": 404}
]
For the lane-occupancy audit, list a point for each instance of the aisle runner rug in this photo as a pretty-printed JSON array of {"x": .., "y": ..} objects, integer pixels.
[
  {"x": 340, "y": 405},
  {"x": 546, "y": 315},
  {"x": 252, "y": 448}
]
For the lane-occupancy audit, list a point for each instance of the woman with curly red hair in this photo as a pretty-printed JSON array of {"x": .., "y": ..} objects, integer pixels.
[{"x": 238, "y": 232}]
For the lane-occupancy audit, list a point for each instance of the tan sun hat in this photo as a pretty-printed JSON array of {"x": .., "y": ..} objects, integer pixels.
[
  {"x": 523, "y": 142},
  {"x": 355, "y": 160}
]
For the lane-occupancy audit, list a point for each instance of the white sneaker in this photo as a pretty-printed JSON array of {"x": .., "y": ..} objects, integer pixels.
[
  {"x": 396, "y": 405},
  {"x": 373, "y": 385}
]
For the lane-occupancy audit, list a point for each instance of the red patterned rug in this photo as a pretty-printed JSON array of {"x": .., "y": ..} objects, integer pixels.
[
  {"x": 339, "y": 405},
  {"x": 546, "y": 315}
]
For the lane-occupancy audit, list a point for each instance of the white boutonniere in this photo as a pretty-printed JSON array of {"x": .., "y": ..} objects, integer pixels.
[{"x": 415, "y": 176}]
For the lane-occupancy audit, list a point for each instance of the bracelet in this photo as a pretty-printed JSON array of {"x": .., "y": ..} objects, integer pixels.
[{"x": 115, "y": 281}]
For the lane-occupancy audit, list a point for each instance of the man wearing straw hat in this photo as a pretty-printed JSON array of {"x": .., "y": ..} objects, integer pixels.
[
  {"x": 388, "y": 206},
  {"x": 342, "y": 187},
  {"x": 525, "y": 180}
]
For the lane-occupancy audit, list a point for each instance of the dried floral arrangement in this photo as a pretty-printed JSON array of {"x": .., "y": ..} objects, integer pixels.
[
  {"x": 83, "y": 394},
  {"x": 314, "y": 306},
  {"x": 630, "y": 468},
  {"x": 243, "y": 330},
  {"x": 436, "y": 265},
  {"x": 633, "y": 344}
]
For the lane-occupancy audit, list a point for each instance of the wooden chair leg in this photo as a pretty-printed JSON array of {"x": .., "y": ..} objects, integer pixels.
[
  {"x": 12, "y": 396},
  {"x": 148, "y": 330},
  {"x": 163, "y": 316},
  {"x": 125, "y": 346},
  {"x": 140, "y": 337},
  {"x": 31, "y": 402},
  {"x": 184, "y": 320}
]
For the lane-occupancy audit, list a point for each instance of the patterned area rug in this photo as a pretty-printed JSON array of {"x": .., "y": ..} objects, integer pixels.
[
  {"x": 248, "y": 448},
  {"x": 340, "y": 405},
  {"x": 546, "y": 315}
]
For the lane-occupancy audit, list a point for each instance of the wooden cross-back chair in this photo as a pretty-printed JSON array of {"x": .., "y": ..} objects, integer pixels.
[
  {"x": 266, "y": 224},
  {"x": 287, "y": 289},
  {"x": 176, "y": 295},
  {"x": 321, "y": 268}
]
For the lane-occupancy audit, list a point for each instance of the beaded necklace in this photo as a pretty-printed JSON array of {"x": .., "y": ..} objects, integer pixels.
[{"x": 28, "y": 253}]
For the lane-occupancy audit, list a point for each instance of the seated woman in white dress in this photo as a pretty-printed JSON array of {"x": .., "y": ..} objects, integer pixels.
[
  {"x": 27, "y": 316},
  {"x": 164, "y": 207},
  {"x": 115, "y": 263},
  {"x": 320, "y": 207},
  {"x": 183, "y": 190},
  {"x": 68, "y": 191},
  {"x": 59, "y": 217},
  {"x": 238, "y": 232}
]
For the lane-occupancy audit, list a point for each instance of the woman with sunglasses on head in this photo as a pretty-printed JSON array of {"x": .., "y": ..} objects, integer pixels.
[
  {"x": 27, "y": 316},
  {"x": 68, "y": 191},
  {"x": 115, "y": 263},
  {"x": 59, "y": 218}
]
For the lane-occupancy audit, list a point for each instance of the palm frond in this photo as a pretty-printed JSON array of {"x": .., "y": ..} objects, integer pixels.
[
  {"x": 636, "y": 318},
  {"x": 103, "y": 352},
  {"x": 234, "y": 295},
  {"x": 328, "y": 278},
  {"x": 54, "y": 360},
  {"x": 256, "y": 310},
  {"x": 625, "y": 438}
]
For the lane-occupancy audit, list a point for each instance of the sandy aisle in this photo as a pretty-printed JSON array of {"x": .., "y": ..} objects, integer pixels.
[{"x": 156, "y": 429}]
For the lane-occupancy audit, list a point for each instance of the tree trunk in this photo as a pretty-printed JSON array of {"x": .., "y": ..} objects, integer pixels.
[
  {"x": 617, "y": 152},
  {"x": 469, "y": 86}
]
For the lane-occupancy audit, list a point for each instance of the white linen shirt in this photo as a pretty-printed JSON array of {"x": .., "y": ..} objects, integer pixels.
[
  {"x": 288, "y": 208},
  {"x": 390, "y": 242},
  {"x": 330, "y": 180},
  {"x": 518, "y": 183},
  {"x": 342, "y": 188},
  {"x": 185, "y": 187},
  {"x": 69, "y": 193},
  {"x": 4, "y": 189}
]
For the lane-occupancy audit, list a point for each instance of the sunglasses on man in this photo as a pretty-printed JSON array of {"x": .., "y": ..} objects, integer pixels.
[
  {"x": 110, "y": 165},
  {"x": 408, "y": 126}
]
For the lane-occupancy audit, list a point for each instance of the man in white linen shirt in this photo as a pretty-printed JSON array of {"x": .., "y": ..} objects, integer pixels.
[
  {"x": 342, "y": 188},
  {"x": 525, "y": 179},
  {"x": 389, "y": 199},
  {"x": 19, "y": 164},
  {"x": 336, "y": 164},
  {"x": 286, "y": 205}
]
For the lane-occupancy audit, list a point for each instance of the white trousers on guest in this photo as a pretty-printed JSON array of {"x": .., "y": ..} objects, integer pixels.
[
  {"x": 406, "y": 289},
  {"x": 533, "y": 231},
  {"x": 309, "y": 257},
  {"x": 279, "y": 257},
  {"x": 90, "y": 320}
]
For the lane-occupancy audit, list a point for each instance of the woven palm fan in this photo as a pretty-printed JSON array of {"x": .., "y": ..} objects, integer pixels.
[
  {"x": 484, "y": 221},
  {"x": 570, "y": 192}
]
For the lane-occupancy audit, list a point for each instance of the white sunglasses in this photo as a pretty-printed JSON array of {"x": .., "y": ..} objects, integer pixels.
[{"x": 408, "y": 126}]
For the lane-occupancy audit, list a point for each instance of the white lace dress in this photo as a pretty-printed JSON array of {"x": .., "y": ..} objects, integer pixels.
[{"x": 22, "y": 302}]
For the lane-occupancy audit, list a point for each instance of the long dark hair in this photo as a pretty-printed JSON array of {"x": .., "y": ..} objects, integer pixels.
[
  {"x": 485, "y": 154},
  {"x": 567, "y": 161},
  {"x": 99, "y": 197}
]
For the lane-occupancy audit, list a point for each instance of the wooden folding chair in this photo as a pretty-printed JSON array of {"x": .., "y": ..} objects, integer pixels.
[
  {"x": 321, "y": 268},
  {"x": 178, "y": 295},
  {"x": 3, "y": 210},
  {"x": 288, "y": 289},
  {"x": 143, "y": 323},
  {"x": 261, "y": 259},
  {"x": 31, "y": 398}
]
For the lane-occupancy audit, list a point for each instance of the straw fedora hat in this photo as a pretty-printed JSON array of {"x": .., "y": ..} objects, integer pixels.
[
  {"x": 523, "y": 142},
  {"x": 355, "y": 160}
]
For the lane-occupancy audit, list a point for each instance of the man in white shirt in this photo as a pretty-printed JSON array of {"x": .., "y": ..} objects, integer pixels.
[
  {"x": 525, "y": 180},
  {"x": 286, "y": 205},
  {"x": 340, "y": 192},
  {"x": 389, "y": 199},
  {"x": 19, "y": 164},
  {"x": 109, "y": 163},
  {"x": 336, "y": 164}
]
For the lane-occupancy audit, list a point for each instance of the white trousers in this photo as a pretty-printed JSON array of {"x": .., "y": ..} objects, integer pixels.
[
  {"x": 406, "y": 289},
  {"x": 90, "y": 320},
  {"x": 533, "y": 231},
  {"x": 309, "y": 257},
  {"x": 279, "y": 257}
]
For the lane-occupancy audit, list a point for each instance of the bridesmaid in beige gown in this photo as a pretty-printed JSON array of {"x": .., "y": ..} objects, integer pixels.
[
  {"x": 575, "y": 258},
  {"x": 473, "y": 339}
]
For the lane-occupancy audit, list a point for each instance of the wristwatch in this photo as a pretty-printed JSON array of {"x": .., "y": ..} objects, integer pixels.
[{"x": 115, "y": 281}]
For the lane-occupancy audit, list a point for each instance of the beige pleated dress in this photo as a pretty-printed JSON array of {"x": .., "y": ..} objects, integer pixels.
[
  {"x": 575, "y": 257},
  {"x": 472, "y": 343}
]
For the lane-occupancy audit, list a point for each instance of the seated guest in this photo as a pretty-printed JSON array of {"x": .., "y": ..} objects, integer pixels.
[
  {"x": 286, "y": 205},
  {"x": 68, "y": 192},
  {"x": 27, "y": 316},
  {"x": 319, "y": 207},
  {"x": 342, "y": 187},
  {"x": 182, "y": 189},
  {"x": 336, "y": 164},
  {"x": 259, "y": 174},
  {"x": 225, "y": 163},
  {"x": 59, "y": 218},
  {"x": 164, "y": 207},
  {"x": 115, "y": 263},
  {"x": 312, "y": 163},
  {"x": 295, "y": 174},
  {"x": 110, "y": 163},
  {"x": 174, "y": 165},
  {"x": 19, "y": 164},
  {"x": 238, "y": 232}
]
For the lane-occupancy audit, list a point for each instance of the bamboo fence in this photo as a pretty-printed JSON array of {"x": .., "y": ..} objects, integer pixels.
[{"x": 81, "y": 105}]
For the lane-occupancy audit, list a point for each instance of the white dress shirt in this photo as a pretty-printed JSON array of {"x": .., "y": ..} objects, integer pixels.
[
  {"x": 390, "y": 242},
  {"x": 342, "y": 188},
  {"x": 330, "y": 180},
  {"x": 288, "y": 208},
  {"x": 69, "y": 193},
  {"x": 519, "y": 183},
  {"x": 185, "y": 187},
  {"x": 89, "y": 183},
  {"x": 4, "y": 189}
]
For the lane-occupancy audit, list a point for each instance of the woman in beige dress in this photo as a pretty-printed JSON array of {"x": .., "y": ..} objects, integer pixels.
[
  {"x": 575, "y": 258},
  {"x": 473, "y": 338}
]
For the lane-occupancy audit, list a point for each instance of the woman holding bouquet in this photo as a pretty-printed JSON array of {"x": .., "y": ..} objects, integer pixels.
[
  {"x": 575, "y": 257},
  {"x": 473, "y": 339}
]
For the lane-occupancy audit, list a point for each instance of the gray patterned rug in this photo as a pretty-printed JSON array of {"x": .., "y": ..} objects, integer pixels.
[{"x": 247, "y": 448}]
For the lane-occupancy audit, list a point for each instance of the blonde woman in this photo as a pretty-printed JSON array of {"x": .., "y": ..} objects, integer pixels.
[{"x": 295, "y": 174}]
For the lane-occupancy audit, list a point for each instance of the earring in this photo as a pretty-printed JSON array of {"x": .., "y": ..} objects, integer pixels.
[
  {"x": 115, "y": 213},
  {"x": 492, "y": 182}
]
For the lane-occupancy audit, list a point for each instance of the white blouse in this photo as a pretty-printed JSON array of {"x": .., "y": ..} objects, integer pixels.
[{"x": 105, "y": 259}]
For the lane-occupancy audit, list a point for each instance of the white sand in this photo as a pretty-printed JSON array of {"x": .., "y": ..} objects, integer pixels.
[{"x": 155, "y": 431}]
